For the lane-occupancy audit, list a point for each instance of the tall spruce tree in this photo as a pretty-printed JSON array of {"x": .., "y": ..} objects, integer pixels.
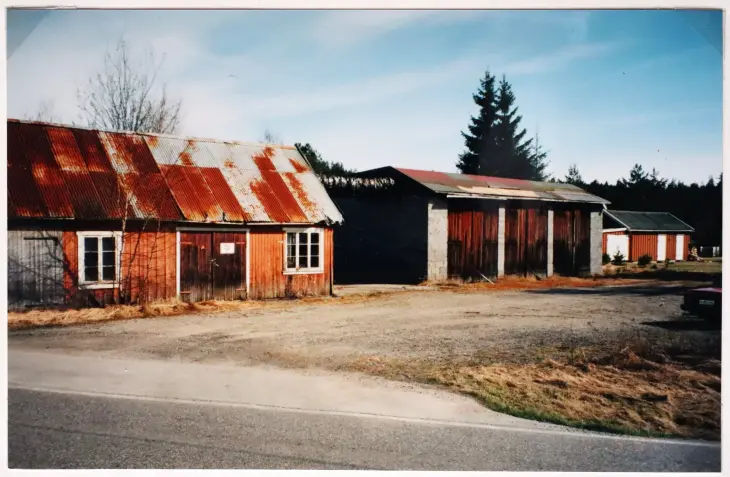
[
  {"x": 479, "y": 140},
  {"x": 513, "y": 156}
]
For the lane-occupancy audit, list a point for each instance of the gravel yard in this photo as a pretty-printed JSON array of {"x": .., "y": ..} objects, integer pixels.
[{"x": 507, "y": 326}]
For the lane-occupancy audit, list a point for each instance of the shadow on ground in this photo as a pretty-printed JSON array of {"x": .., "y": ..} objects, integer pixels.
[
  {"x": 646, "y": 290},
  {"x": 686, "y": 325}
]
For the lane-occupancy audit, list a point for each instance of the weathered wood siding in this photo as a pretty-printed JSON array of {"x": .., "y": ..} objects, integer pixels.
[
  {"x": 525, "y": 239},
  {"x": 267, "y": 267},
  {"x": 35, "y": 268},
  {"x": 148, "y": 270},
  {"x": 205, "y": 272},
  {"x": 472, "y": 239},
  {"x": 571, "y": 240}
]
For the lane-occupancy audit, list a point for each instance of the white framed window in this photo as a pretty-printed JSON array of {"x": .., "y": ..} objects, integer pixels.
[
  {"x": 303, "y": 251},
  {"x": 99, "y": 262}
]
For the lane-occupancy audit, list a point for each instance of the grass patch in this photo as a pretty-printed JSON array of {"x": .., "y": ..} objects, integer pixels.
[{"x": 637, "y": 390}]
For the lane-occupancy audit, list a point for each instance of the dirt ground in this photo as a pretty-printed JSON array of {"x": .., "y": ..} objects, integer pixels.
[{"x": 509, "y": 326}]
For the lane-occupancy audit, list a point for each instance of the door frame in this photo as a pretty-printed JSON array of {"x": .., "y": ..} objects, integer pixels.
[{"x": 245, "y": 230}]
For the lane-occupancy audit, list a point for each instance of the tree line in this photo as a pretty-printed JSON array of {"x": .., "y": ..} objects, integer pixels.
[{"x": 699, "y": 205}]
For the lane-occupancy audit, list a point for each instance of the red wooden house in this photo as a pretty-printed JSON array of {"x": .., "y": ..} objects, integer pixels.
[
  {"x": 98, "y": 217},
  {"x": 660, "y": 235}
]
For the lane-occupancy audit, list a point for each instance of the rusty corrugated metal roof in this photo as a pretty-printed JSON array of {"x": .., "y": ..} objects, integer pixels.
[
  {"x": 499, "y": 187},
  {"x": 57, "y": 171}
]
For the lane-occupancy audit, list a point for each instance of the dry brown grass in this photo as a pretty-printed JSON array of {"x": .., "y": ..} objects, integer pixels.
[
  {"x": 37, "y": 318},
  {"x": 529, "y": 283},
  {"x": 616, "y": 391}
]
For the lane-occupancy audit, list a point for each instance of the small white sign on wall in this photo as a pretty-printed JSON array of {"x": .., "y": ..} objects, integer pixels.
[{"x": 228, "y": 248}]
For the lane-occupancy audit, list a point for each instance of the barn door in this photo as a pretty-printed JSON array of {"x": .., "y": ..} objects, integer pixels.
[
  {"x": 229, "y": 266},
  {"x": 212, "y": 266}
]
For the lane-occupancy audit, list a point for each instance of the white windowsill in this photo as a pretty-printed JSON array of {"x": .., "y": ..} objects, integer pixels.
[
  {"x": 97, "y": 286},
  {"x": 304, "y": 272}
]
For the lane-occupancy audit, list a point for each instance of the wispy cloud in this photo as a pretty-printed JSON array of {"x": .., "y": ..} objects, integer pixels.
[
  {"x": 558, "y": 58},
  {"x": 347, "y": 28},
  {"x": 360, "y": 92}
]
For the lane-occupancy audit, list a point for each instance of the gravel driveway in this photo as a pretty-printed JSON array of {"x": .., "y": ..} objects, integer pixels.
[{"x": 428, "y": 325}]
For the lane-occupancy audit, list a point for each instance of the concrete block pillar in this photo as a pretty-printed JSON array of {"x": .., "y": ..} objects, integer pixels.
[
  {"x": 437, "y": 241},
  {"x": 550, "y": 248},
  {"x": 500, "y": 242},
  {"x": 596, "y": 264}
]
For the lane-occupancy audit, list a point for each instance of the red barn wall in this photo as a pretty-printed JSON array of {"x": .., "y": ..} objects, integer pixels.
[
  {"x": 472, "y": 239},
  {"x": 148, "y": 269},
  {"x": 267, "y": 278},
  {"x": 643, "y": 243}
]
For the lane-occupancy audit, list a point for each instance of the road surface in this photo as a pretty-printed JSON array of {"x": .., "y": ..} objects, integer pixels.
[{"x": 82, "y": 411}]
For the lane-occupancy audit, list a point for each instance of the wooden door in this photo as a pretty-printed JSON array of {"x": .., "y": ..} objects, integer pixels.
[
  {"x": 229, "y": 266},
  {"x": 212, "y": 266}
]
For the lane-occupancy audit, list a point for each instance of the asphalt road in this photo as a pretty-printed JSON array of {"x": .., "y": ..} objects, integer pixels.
[
  {"x": 55, "y": 430},
  {"x": 100, "y": 411}
]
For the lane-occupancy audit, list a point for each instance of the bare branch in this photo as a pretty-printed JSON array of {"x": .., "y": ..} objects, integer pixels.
[{"x": 121, "y": 97}]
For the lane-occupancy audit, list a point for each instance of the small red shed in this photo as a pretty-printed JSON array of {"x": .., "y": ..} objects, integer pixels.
[
  {"x": 660, "y": 235},
  {"x": 98, "y": 217}
]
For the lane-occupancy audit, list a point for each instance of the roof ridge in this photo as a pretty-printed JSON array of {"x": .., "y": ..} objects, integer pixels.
[{"x": 160, "y": 135}]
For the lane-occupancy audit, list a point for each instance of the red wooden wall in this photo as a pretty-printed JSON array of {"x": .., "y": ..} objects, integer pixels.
[{"x": 267, "y": 267}]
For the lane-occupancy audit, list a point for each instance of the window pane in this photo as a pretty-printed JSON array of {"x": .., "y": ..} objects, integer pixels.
[
  {"x": 91, "y": 273},
  {"x": 107, "y": 273},
  {"x": 291, "y": 250},
  {"x": 303, "y": 250},
  {"x": 91, "y": 244},
  {"x": 315, "y": 237},
  {"x": 107, "y": 244},
  {"x": 107, "y": 259},
  {"x": 91, "y": 265},
  {"x": 314, "y": 261}
]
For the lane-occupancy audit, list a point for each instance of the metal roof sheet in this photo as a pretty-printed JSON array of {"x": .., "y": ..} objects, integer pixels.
[
  {"x": 486, "y": 186},
  {"x": 648, "y": 221},
  {"x": 67, "y": 172}
]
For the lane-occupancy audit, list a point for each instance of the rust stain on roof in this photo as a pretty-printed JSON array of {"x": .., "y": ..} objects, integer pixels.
[
  {"x": 299, "y": 167},
  {"x": 60, "y": 171},
  {"x": 299, "y": 192}
]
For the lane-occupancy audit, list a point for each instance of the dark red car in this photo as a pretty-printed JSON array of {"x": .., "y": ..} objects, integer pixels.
[{"x": 703, "y": 302}]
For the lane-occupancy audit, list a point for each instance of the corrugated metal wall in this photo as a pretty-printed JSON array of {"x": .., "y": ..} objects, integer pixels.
[
  {"x": 35, "y": 268},
  {"x": 473, "y": 234},
  {"x": 525, "y": 239},
  {"x": 267, "y": 263}
]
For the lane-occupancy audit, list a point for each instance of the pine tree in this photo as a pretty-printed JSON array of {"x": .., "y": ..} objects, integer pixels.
[
  {"x": 573, "y": 176},
  {"x": 538, "y": 160},
  {"x": 479, "y": 140},
  {"x": 319, "y": 165}
]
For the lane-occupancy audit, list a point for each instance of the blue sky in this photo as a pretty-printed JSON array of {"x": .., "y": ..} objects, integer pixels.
[{"x": 604, "y": 89}]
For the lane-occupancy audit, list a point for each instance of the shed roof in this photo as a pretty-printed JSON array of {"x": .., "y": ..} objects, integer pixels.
[
  {"x": 640, "y": 221},
  {"x": 57, "y": 171},
  {"x": 466, "y": 185}
]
